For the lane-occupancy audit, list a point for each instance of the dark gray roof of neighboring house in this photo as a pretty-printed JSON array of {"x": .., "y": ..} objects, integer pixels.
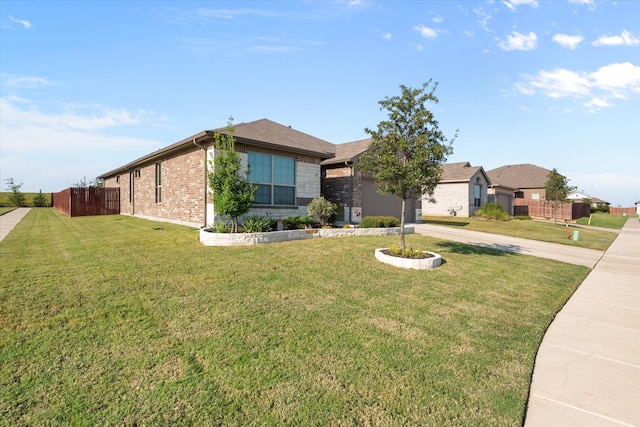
[
  {"x": 348, "y": 152},
  {"x": 460, "y": 172},
  {"x": 263, "y": 132},
  {"x": 519, "y": 176}
]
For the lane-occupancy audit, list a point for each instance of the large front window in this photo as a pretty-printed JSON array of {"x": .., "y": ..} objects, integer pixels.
[{"x": 275, "y": 177}]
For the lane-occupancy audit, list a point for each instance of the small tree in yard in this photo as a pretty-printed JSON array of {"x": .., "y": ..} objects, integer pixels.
[
  {"x": 232, "y": 192},
  {"x": 556, "y": 189},
  {"x": 321, "y": 209},
  {"x": 16, "y": 197},
  {"x": 408, "y": 149},
  {"x": 39, "y": 200}
]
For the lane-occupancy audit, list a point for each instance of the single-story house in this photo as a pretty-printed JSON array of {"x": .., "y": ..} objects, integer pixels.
[
  {"x": 171, "y": 184},
  {"x": 462, "y": 191},
  {"x": 527, "y": 180},
  {"x": 354, "y": 191},
  {"x": 577, "y": 197}
]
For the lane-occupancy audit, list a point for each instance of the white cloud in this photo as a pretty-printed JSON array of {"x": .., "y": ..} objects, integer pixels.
[
  {"x": 519, "y": 41},
  {"x": 597, "y": 104},
  {"x": 386, "y": 36},
  {"x": 426, "y": 32},
  {"x": 10, "y": 81},
  {"x": 617, "y": 78},
  {"x": 61, "y": 146},
  {"x": 484, "y": 19},
  {"x": 437, "y": 19},
  {"x": 568, "y": 41},
  {"x": 613, "y": 81},
  {"x": 624, "y": 39},
  {"x": 513, "y": 4},
  {"x": 24, "y": 23},
  {"x": 232, "y": 13}
]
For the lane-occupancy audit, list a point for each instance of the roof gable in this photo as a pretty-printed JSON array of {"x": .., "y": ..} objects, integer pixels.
[
  {"x": 460, "y": 172},
  {"x": 348, "y": 152},
  {"x": 519, "y": 176}
]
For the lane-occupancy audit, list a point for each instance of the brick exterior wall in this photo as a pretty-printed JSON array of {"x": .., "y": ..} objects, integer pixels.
[
  {"x": 182, "y": 190},
  {"x": 343, "y": 189},
  {"x": 456, "y": 195}
]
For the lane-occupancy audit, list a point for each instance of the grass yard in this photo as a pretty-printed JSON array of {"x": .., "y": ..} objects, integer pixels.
[
  {"x": 6, "y": 209},
  {"x": 604, "y": 220},
  {"x": 118, "y": 320},
  {"x": 530, "y": 229}
]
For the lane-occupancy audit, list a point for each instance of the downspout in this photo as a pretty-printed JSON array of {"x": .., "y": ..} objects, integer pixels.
[{"x": 206, "y": 187}]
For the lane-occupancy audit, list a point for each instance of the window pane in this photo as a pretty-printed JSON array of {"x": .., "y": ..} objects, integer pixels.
[
  {"x": 263, "y": 195},
  {"x": 283, "y": 195},
  {"x": 259, "y": 167},
  {"x": 284, "y": 170},
  {"x": 477, "y": 190}
]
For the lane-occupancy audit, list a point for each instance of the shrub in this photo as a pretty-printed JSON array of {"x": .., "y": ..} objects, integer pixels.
[
  {"x": 379, "y": 222},
  {"x": 258, "y": 224},
  {"x": 492, "y": 211},
  {"x": 323, "y": 210},
  {"x": 39, "y": 200},
  {"x": 293, "y": 222}
]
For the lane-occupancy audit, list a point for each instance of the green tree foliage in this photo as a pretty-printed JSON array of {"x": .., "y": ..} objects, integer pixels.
[
  {"x": 556, "y": 190},
  {"x": 84, "y": 183},
  {"x": 321, "y": 209},
  {"x": 39, "y": 200},
  {"x": 232, "y": 192},
  {"x": 16, "y": 197},
  {"x": 408, "y": 149}
]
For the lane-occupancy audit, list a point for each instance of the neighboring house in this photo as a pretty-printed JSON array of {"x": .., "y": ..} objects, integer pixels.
[
  {"x": 462, "y": 191},
  {"x": 171, "y": 184},
  {"x": 594, "y": 202},
  {"x": 527, "y": 180},
  {"x": 355, "y": 191}
]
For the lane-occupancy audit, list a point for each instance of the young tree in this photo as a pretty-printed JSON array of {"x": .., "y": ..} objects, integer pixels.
[
  {"x": 408, "y": 149},
  {"x": 39, "y": 200},
  {"x": 16, "y": 197},
  {"x": 232, "y": 192},
  {"x": 556, "y": 190}
]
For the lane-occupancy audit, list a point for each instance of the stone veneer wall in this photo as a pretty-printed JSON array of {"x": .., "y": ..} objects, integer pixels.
[{"x": 341, "y": 188}]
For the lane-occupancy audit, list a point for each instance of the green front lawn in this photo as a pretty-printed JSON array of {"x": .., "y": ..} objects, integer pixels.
[
  {"x": 604, "y": 220},
  {"x": 6, "y": 209},
  {"x": 116, "y": 320},
  {"x": 530, "y": 229}
]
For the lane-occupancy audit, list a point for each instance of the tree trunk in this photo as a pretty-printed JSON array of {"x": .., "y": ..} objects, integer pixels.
[{"x": 402, "y": 244}]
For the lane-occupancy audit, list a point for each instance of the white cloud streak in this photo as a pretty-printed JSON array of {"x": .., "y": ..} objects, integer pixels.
[
  {"x": 568, "y": 41},
  {"x": 613, "y": 81},
  {"x": 513, "y": 4},
  {"x": 624, "y": 39},
  {"x": 426, "y": 32},
  {"x": 517, "y": 41},
  {"x": 26, "y": 24}
]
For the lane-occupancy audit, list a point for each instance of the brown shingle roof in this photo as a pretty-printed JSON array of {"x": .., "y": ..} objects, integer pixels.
[
  {"x": 268, "y": 133},
  {"x": 459, "y": 172},
  {"x": 263, "y": 132},
  {"x": 519, "y": 176},
  {"x": 348, "y": 151}
]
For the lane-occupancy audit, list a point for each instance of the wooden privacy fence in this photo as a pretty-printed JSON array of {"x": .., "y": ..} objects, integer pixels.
[
  {"x": 87, "y": 201},
  {"x": 544, "y": 209},
  {"x": 622, "y": 211}
]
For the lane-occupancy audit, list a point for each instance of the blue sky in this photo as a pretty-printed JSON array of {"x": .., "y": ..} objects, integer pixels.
[{"x": 87, "y": 86}]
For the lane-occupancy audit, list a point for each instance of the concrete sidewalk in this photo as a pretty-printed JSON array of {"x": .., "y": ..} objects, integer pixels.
[
  {"x": 587, "y": 370},
  {"x": 565, "y": 253},
  {"x": 9, "y": 220}
]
